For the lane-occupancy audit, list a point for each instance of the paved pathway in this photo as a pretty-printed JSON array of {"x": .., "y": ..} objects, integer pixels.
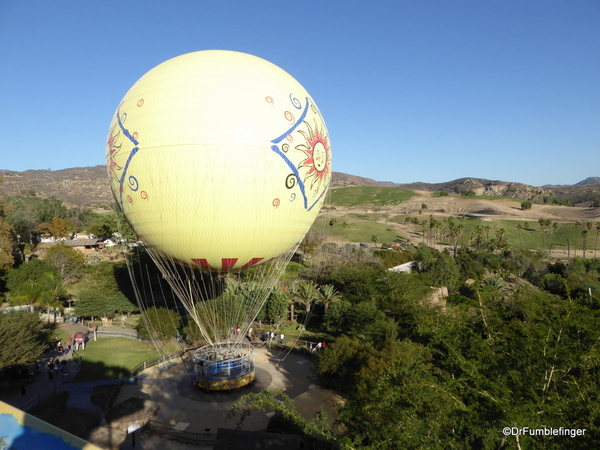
[
  {"x": 40, "y": 385},
  {"x": 183, "y": 404}
]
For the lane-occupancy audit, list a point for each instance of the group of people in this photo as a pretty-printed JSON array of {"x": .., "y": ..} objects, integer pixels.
[
  {"x": 316, "y": 347},
  {"x": 63, "y": 349},
  {"x": 269, "y": 336},
  {"x": 55, "y": 365}
]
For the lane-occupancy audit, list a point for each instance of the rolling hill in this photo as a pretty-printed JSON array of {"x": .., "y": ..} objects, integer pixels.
[{"x": 88, "y": 186}]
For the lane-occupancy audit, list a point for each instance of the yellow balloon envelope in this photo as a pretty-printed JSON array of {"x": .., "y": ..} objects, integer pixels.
[{"x": 219, "y": 160}]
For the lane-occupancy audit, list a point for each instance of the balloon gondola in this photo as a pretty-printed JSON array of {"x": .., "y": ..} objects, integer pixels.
[{"x": 220, "y": 162}]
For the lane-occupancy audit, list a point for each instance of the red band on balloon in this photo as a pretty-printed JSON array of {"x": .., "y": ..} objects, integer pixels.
[
  {"x": 228, "y": 263},
  {"x": 203, "y": 264},
  {"x": 252, "y": 262}
]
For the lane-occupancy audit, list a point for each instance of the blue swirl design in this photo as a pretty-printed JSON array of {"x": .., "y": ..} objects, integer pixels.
[
  {"x": 293, "y": 197},
  {"x": 295, "y": 102},
  {"x": 135, "y": 149},
  {"x": 133, "y": 183}
]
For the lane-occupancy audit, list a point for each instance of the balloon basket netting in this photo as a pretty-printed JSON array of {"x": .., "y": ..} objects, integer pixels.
[{"x": 224, "y": 366}]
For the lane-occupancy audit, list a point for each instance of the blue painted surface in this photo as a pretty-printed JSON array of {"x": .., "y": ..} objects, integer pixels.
[{"x": 22, "y": 437}]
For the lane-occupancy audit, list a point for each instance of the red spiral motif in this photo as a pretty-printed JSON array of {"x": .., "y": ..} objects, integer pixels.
[
  {"x": 129, "y": 199},
  {"x": 289, "y": 116},
  {"x": 140, "y": 102},
  {"x": 144, "y": 195},
  {"x": 135, "y": 135},
  {"x": 269, "y": 99},
  {"x": 276, "y": 202},
  {"x": 289, "y": 138}
]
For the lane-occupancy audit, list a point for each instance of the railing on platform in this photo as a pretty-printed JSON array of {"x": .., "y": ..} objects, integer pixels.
[
  {"x": 34, "y": 400},
  {"x": 187, "y": 437}
]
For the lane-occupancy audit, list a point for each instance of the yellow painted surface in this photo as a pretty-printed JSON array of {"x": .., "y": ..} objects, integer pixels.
[
  {"x": 225, "y": 385},
  {"x": 219, "y": 159}
]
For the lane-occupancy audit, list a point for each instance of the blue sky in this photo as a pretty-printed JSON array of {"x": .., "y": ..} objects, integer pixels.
[{"x": 411, "y": 90}]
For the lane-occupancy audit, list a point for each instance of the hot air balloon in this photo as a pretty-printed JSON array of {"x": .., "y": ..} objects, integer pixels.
[{"x": 220, "y": 161}]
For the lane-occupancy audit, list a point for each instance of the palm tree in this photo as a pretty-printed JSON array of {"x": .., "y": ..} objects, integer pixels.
[
  {"x": 50, "y": 299},
  {"x": 486, "y": 228},
  {"x": 500, "y": 238},
  {"x": 577, "y": 227},
  {"x": 30, "y": 293},
  {"x": 596, "y": 243},
  {"x": 584, "y": 236},
  {"x": 306, "y": 292},
  {"x": 375, "y": 239},
  {"x": 328, "y": 295}
]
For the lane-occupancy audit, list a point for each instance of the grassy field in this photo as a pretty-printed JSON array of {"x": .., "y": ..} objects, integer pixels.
[
  {"x": 565, "y": 237},
  {"x": 356, "y": 229},
  {"x": 368, "y": 196},
  {"x": 62, "y": 334},
  {"x": 109, "y": 358}
]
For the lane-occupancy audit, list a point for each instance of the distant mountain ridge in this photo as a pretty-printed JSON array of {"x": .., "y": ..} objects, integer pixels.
[
  {"x": 588, "y": 181},
  {"x": 586, "y": 193},
  {"x": 88, "y": 186}
]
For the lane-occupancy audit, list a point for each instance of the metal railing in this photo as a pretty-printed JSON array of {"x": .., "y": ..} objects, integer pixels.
[
  {"x": 113, "y": 395},
  {"x": 165, "y": 362},
  {"x": 31, "y": 402},
  {"x": 110, "y": 333},
  {"x": 187, "y": 437}
]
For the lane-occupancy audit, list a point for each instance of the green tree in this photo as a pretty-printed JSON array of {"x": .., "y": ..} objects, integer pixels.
[
  {"x": 27, "y": 213},
  {"x": 584, "y": 237},
  {"x": 334, "y": 319},
  {"x": 101, "y": 229},
  {"x": 527, "y": 204},
  {"x": 6, "y": 237},
  {"x": 374, "y": 239},
  {"x": 596, "y": 241},
  {"x": 68, "y": 261},
  {"x": 328, "y": 295},
  {"x": 94, "y": 303},
  {"x": 276, "y": 306},
  {"x": 316, "y": 433},
  {"x": 32, "y": 281},
  {"x": 22, "y": 338},
  {"x": 306, "y": 292},
  {"x": 158, "y": 324},
  {"x": 29, "y": 293},
  {"x": 106, "y": 276},
  {"x": 440, "y": 267}
]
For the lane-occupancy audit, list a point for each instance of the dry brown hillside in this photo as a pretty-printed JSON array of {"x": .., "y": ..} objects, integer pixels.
[{"x": 88, "y": 186}]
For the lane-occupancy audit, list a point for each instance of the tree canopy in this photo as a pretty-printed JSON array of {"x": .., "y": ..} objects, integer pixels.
[{"x": 22, "y": 339}]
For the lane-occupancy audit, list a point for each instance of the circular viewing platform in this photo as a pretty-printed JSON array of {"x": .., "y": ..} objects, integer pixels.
[{"x": 224, "y": 366}]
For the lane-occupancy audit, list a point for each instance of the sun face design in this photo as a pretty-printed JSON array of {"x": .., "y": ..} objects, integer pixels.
[{"x": 318, "y": 156}]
